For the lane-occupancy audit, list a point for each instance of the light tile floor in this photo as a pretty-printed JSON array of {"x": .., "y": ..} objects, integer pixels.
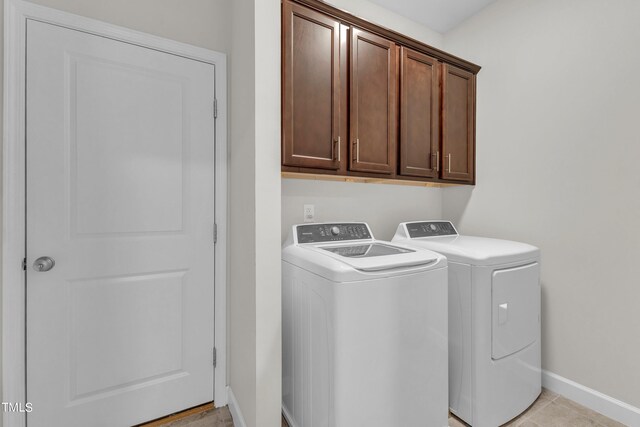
[{"x": 550, "y": 410}]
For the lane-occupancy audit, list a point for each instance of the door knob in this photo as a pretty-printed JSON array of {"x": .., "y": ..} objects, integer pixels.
[{"x": 44, "y": 263}]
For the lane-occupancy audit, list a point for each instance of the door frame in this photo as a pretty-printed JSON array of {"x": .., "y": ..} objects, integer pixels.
[{"x": 16, "y": 14}]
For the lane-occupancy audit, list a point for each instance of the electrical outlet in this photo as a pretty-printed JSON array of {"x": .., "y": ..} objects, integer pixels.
[{"x": 309, "y": 214}]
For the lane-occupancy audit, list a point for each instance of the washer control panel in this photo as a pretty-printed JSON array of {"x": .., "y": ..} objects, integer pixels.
[
  {"x": 430, "y": 229},
  {"x": 330, "y": 232}
]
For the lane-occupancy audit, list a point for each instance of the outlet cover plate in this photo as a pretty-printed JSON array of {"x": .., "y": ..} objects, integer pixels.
[{"x": 309, "y": 213}]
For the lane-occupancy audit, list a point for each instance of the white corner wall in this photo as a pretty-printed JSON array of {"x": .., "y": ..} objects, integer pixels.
[
  {"x": 557, "y": 158},
  {"x": 254, "y": 287},
  {"x": 267, "y": 183},
  {"x": 1, "y": 200},
  {"x": 383, "y": 206}
]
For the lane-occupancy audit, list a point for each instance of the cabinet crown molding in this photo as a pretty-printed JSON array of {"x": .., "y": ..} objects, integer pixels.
[{"x": 350, "y": 19}]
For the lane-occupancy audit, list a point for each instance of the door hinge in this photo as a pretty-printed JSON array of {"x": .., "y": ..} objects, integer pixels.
[
  {"x": 215, "y": 233},
  {"x": 215, "y": 357},
  {"x": 215, "y": 108},
  {"x": 24, "y": 264}
]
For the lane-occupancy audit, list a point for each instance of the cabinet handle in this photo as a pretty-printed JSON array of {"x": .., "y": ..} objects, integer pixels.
[
  {"x": 337, "y": 142},
  {"x": 436, "y": 166},
  {"x": 357, "y": 144},
  {"x": 449, "y": 163}
]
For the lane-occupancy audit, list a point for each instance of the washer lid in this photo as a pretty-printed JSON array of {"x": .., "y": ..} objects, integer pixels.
[
  {"x": 326, "y": 260},
  {"x": 366, "y": 250},
  {"x": 470, "y": 249},
  {"x": 375, "y": 256}
]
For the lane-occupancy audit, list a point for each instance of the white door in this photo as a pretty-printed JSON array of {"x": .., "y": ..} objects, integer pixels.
[{"x": 120, "y": 182}]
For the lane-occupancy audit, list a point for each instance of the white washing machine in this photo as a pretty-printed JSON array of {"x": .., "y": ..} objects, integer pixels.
[
  {"x": 364, "y": 330},
  {"x": 494, "y": 321}
]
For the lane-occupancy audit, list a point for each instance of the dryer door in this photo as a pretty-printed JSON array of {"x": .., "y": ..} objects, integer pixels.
[{"x": 515, "y": 294}]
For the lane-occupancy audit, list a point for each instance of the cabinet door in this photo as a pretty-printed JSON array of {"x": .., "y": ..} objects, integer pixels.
[
  {"x": 458, "y": 124},
  {"x": 419, "y": 114},
  {"x": 373, "y": 103},
  {"x": 311, "y": 88}
]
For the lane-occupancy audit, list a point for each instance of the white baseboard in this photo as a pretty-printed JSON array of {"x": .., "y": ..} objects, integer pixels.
[
  {"x": 592, "y": 399},
  {"x": 288, "y": 417},
  {"x": 234, "y": 408}
]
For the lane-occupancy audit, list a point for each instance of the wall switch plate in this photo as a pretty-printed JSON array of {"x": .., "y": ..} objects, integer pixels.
[{"x": 309, "y": 213}]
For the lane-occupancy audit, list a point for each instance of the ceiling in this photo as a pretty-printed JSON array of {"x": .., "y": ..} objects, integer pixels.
[{"x": 439, "y": 15}]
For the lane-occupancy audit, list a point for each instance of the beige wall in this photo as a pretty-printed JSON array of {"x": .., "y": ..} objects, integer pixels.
[
  {"x": 203, "y": 23},
  {"x": 381, "y": 16},
  {"x": 382, "y": 206},
  {"x": 558, "y": 149}
]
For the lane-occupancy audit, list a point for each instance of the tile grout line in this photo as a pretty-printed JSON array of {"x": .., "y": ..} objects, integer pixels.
[{"x": 584, "y": 415}]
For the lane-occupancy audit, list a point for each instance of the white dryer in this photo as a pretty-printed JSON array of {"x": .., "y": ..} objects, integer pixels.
[
  {"x": 364, "y": 340},
  {"x": 494, "y": 321}
]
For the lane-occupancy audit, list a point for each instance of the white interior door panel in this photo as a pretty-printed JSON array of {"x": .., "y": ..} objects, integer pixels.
[{"x": 120, "y": 190}]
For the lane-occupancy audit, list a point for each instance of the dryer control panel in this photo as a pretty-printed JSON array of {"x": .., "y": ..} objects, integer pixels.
[
  {"x": 332, "y": 232},
  {"x": 430, "y": 229}
]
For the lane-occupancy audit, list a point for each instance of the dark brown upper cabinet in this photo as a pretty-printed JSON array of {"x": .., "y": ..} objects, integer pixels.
[
  {"x": 311, "y": 88},
  {"x": 419, "y": 114},
  {"x": 458, "y": 124},
  {"x": 372, "y": 115},
  {"x": 365, "y": 101}
]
